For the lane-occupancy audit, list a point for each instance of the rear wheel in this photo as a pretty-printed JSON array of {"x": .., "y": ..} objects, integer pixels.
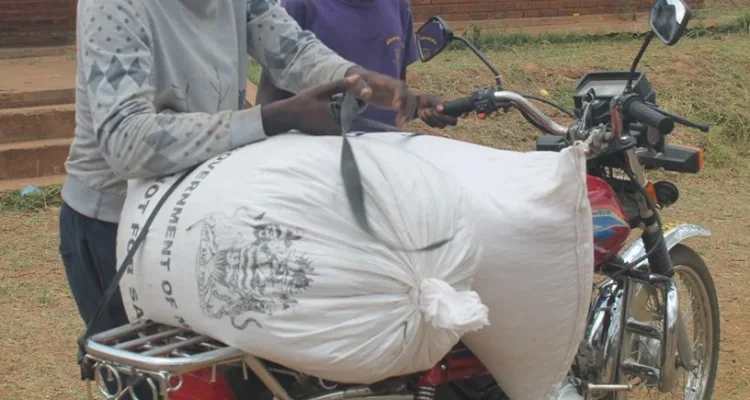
[{"x": 700, "y": 311}]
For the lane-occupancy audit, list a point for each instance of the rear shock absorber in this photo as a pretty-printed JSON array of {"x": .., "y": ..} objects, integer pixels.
[{"x": 425, "y": 392}]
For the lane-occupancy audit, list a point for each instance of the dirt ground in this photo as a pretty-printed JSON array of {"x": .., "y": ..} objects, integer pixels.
[{"x": 699, "y": 78}]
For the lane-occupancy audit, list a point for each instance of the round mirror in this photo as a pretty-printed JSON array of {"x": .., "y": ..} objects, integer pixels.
[
  {"x": 432, "y": 38},
  {"x": 668, "y": 20}
]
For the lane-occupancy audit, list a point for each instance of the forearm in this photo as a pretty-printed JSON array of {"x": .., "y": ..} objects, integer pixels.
[
  {"x": 278, "y": 117},
  {"x": 145, "y": 144}
]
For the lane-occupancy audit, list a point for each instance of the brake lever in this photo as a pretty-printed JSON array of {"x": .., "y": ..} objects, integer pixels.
[{"x": 682, "y": 121}]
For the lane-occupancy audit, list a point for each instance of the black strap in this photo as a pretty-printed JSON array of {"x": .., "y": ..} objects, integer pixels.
[
  {"x": 346, "y": 110},
  {"x": 87, "y": 370}
]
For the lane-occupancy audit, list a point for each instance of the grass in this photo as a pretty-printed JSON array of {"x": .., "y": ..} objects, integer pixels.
[
  {"x": 39, "y": 320},
  {"x": 701, "y": 79},
  {"x": 504, "y": 40},
  {"x": 743, "y": 22},
  {"x": 253, "y": 71},
  {"x": 494, "y": 39},
  {"x": 48, "y": 196}
]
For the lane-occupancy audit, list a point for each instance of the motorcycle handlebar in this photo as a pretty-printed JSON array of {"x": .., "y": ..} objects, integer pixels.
[
  {"x": 634, "y": 108},
  {"x": 532, "y": 113},
  {"x": 537, "y": 117},
  {"x": 459, "y": 107},
  {"x": 638, "y": 110}
]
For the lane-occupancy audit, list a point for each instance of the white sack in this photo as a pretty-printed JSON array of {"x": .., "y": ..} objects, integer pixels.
[
  {"x": 258, "y": 248},
  {"x": 534, "y": 222}
]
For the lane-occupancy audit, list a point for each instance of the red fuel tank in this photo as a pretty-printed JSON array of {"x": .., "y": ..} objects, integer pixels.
[{"x": 611, "y": 227}]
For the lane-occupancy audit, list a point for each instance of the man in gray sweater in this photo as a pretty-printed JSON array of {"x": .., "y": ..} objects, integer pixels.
[{"x": 161, "y": 87}]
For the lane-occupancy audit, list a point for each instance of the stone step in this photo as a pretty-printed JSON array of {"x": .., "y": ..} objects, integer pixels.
[
  {"x": 33, "y": 159},
  {"x": 37, "y": 123},
  {"x": 40, "y": 182},
  {"x": 37, "y": 81},
  {"x": 34, "y": 52},
  {"x": 36, "y": 98}
]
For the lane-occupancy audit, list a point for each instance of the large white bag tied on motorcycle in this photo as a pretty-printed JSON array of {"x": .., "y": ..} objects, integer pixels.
[
  {"x": 258, "y": 248},
  {"x": 534, "y": 222}
]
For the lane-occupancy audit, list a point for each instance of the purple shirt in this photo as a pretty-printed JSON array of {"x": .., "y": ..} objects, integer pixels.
[{"x": 376, "y": 34}]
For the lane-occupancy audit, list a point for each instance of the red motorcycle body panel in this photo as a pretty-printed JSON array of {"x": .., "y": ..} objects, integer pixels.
[
  {"x": 611, "y": 227},
  {"x": 198, "y": 385},
  {"x": 459, "y": 364}
]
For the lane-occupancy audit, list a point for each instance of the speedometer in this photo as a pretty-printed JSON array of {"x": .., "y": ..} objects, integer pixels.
[{"x": 608, "y": 84}]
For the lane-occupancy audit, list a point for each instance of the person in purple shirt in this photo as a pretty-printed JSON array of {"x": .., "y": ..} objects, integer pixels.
[{"x": 376, "y": 34}]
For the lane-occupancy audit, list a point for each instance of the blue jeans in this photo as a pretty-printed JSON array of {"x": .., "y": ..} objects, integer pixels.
[{"x": 87, "y": 248}]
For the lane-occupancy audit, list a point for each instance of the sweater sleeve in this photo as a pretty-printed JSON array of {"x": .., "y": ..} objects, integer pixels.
[
  {"x": 293, "y": 57},
  {"x": 114, "y": 42}
]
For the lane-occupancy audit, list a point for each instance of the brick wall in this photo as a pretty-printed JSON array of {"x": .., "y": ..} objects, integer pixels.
[
  {"x": 50, "y": 22},
  {"x": 37, "y": 22},
  {"x": 468, "y": 10}
]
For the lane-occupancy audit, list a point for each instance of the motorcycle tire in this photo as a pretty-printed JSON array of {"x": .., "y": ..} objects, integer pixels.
[{"x": 689, "y": 263}]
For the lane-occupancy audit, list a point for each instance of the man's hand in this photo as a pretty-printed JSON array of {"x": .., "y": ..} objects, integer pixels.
[
  {"x": 309, "y": 111},
  {"x": 385, "y": 92},
  {"x": 430, "y": 110}
]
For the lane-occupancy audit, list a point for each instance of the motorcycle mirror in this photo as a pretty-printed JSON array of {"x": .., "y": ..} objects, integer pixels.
[
  {"x": 433, "y": 37},
  {"x": 435, "y": 34},
  {"x": 669, "y": 19}
]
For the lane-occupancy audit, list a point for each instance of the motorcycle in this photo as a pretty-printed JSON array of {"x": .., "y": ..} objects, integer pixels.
[{"x": 637, "y": 339}]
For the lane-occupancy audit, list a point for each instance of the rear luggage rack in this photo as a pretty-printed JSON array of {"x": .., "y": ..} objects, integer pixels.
[
  {"x": 166, "y": 357},
  {"x": 159, "y": 355}
]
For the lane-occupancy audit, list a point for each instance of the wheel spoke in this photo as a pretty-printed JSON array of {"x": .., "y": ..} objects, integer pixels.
[{"x": 697, "y": 315}]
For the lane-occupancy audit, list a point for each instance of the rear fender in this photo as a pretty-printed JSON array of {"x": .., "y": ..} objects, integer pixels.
[{"x": 672, "y": 236}]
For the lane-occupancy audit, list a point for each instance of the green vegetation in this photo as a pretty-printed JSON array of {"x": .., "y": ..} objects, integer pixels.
[
  {"x": 703, "y": 79},
  {"x": 500, "y": 39},
  {"x": 253, "y": 71},
  {"x": 47, "y": 196},
  {"x": 504, "y": 39}
]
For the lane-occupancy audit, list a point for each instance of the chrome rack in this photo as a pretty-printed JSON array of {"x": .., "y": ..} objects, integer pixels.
[{"x": 159, "y": 355}]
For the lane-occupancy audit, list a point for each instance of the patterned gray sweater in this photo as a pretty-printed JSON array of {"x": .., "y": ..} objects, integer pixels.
[{"x": 161, "y": 87}]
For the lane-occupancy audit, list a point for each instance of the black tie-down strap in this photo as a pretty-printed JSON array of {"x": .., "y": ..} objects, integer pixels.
[{"x": 346, "y": 109}]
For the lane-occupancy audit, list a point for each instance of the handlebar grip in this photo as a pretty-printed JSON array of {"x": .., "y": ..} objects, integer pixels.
[
  {"x": 645, "y": 114},
  {"x": 458, "y": 107}
]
